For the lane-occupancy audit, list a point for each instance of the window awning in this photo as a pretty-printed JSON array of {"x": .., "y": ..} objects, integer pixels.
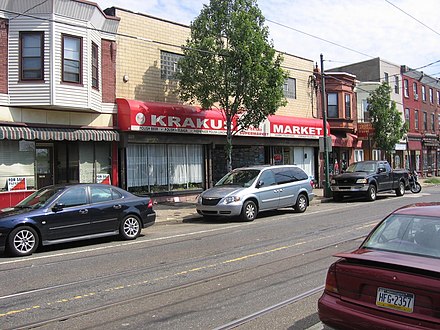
[
  {"x": 56, "y": 134},
  {"x": 414, "y": 145}
]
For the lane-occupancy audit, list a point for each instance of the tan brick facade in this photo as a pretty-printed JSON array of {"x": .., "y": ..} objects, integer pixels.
[{"x": 139, "y": 61}]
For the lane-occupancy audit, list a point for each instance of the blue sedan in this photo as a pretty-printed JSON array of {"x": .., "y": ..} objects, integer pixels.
[{"x": 66, "y": 213}]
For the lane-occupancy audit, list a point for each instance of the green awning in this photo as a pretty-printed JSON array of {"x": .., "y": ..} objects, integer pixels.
[{"x": 56, "y": 134}]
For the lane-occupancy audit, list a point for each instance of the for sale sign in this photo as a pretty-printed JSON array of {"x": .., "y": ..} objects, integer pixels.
[
  {"x": 103, "y": 178},
  {"x": 16, "y": 183}
]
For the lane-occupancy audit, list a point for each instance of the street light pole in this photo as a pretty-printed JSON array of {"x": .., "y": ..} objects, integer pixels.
[{"x": 327, "y": 191}]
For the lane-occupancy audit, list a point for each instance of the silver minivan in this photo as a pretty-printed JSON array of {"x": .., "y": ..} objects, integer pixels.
[{"x": 246, "y": 191}]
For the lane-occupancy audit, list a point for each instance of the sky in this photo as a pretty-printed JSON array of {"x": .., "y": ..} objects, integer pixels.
[{"x": 403, "y": 32}]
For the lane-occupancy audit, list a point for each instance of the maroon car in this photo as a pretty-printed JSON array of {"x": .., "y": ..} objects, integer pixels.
[{"x": 392, "y": 281}]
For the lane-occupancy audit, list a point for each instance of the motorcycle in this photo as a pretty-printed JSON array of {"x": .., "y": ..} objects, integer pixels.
[{"x": 413, "y": 183}]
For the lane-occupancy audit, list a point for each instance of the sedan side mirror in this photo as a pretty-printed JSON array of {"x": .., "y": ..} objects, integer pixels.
[{"x": 58, "y": 207}]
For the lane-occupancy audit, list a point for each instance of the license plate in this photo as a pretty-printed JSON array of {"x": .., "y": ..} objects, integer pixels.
[{"x": 398, "y": 300}]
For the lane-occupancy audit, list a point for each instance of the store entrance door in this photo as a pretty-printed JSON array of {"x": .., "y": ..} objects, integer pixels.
[{"x": 44, "y": 166}]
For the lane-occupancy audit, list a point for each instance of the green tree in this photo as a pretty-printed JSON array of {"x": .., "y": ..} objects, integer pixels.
[
  {"x": 385, "y": 118},
  {"x": 229, "y": 63}
]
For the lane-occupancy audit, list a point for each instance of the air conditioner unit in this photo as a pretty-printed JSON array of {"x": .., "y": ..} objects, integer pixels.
[{"x": 416, "y": 97}]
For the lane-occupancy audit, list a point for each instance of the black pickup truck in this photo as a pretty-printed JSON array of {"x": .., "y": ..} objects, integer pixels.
[{"x": 367, "y": 178}]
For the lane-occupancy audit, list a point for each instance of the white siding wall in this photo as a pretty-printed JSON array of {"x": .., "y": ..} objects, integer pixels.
[
  {"x": 67, "y": 94},
  {"x": 28, "y": 93}
]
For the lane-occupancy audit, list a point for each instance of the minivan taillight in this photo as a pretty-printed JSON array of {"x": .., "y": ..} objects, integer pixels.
[
  {"x": 150, "y": 204},
  {"x": 312, "y": 183},
  {"x": 331, "y": 285}
]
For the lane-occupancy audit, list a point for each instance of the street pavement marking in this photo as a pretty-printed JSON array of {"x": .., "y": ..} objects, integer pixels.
[{"x": 183, "y": 272}]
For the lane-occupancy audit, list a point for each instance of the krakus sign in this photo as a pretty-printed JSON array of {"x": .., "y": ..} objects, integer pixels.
[{"x": 177, "y": 118}]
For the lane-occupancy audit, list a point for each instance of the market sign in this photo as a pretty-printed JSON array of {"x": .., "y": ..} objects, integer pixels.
[
  {"x": 16, "y": 183},
  {"x": 177, "y": 118}
]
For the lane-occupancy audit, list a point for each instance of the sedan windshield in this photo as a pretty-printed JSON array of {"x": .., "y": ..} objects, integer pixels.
[
  {"x": 410, "y": 234},
  {"x": 39, "y": 199},
  {"x": 242, "y": 178}
]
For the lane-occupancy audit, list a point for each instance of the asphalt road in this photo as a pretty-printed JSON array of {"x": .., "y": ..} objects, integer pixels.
[{"x": 267, "y": 274}]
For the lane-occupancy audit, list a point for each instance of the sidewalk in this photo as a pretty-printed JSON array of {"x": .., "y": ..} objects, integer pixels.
[{"x": 179, "y": 211}]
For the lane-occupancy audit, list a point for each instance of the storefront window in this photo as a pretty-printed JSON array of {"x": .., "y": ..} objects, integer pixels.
[
  {"x": 159, "y": 168},
  {"x": 16, "y": 162}
]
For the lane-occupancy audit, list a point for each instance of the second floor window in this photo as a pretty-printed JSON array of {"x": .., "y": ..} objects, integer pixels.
[
  {"x": 438, "y": 97},
  {"x": 72, "y": 59},
  {"x": 396, "y": 85},
  {"x": 416, "y": 119},
  {"x": 431, "y": 96},
  {"x": 407, "y": 116},
  {"x": 423, "y": 93},
  {"x": 31, "y": 55},
  {"x": 432, "y": 122},
  {"x": 95, "y": 67},
  {"x": 405, "y": 87},
  {"x": 332, "y": 105},
  {"x": 347, "y": 106},
  {"x": 168, "y": 64},
  {"x": 416, "y": 93},
  {"x": 386, "y": 77},
  {"x": 289, "y": 88},
  {"x": 365, "y": 112}
]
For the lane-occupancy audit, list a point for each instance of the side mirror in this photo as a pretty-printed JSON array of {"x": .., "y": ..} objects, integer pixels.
[
  {"x": 381, "y": 170},
  {"x": 260, "y": 184},
  {"x": 58, "y": 207}
]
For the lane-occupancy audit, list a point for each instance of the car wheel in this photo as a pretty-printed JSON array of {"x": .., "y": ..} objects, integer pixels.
[
  {"x": 337, "y": 197},
  {"x": 249, "y": 211},
  {"x": 371, "y": 193},
  {"x": 301, "y": 204},
  {"x": 401, "y": 190},
  {"x": 22, "y": 241},
  {"x": 130, "y": 227}
]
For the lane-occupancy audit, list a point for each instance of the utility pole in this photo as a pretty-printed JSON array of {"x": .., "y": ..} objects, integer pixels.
[{"x": 327, "y": 191}]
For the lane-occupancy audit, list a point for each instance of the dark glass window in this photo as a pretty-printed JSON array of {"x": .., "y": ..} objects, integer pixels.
[
  {"x": 268, "y": 178},
  {"x": 31, "y": 55},
  {"x": 74, "y": 197},
  {"x": 95, "y": 67},
  {"x": 72, "y": 59},
  {"x": 347, "y": 106},
  {"x": 101, "y": 194},
  {"x": 332, "y": 105}
]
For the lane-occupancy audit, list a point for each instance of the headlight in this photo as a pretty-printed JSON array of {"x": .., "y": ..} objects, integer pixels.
[
  {"x": 361, "y": 181},
  {"x": 333, "y": 181},
  {"x": 199, "y": 199},
  {"x": 231, "y": 199}
]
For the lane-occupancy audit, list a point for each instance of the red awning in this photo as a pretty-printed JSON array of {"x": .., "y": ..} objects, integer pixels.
[
  {"x": 414, "y": 145},
  {"x": 294, "y": 127},
  {"x": 347, "y": 140},
  {"x": 165, "y": 117}
]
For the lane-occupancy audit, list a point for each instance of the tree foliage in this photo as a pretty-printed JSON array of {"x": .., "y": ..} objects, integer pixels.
[
  {"x": 229, "y": 63},
  {"x": 385, "y": 118}
]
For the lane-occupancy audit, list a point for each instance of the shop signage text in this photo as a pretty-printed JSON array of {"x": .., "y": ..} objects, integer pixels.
[{"x": 16, "y": 183}]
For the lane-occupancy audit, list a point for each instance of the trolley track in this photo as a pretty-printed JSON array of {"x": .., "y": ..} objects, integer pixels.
[{"x": 104, "y": 306}]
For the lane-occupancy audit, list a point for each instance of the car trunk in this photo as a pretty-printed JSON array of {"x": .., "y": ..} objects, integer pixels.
[{"x": 402, "y": 286}]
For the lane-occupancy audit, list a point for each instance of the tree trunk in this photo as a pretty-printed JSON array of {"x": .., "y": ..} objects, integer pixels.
[{"x": 228, "y": 147}]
